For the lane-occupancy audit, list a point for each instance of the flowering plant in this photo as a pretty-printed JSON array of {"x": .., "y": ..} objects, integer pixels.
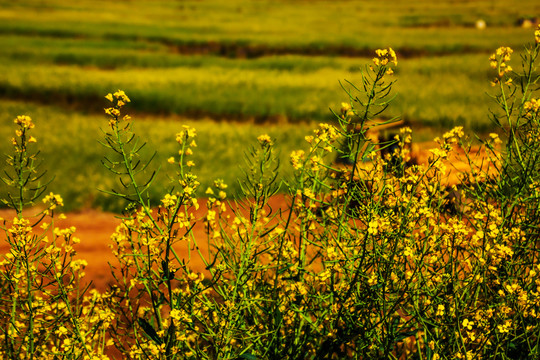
[{"x": 375, "y": 256}]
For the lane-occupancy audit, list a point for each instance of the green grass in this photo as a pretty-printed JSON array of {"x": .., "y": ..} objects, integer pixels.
[
  {"x": 72, "y": 154},
  {"x": 303, "y": 24},
  {"x": 433, "y": 91}
]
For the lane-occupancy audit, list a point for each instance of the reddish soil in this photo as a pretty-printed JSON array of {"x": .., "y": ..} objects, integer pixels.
[{"x": 94, "y": 228}]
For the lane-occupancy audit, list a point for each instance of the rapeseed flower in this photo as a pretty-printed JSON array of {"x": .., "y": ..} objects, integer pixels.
[
  {"x": 467, "y": 324},
  {"x": 53, "y": 200},
  {"x": 265, "y": 140},
  {"x": 169, "y": 200},
  {"x": 120, "y": 96},
  {"x": 499, "y": 61},
  {"x": 24, "y": 122},
  {"x": 297, "y": 159},
  {"x": 385, "y": 56}
]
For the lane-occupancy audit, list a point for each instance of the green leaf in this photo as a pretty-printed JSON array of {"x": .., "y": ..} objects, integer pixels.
[
  {"x": 247, "y": 356},
  {"x": 149, "y": 330}
]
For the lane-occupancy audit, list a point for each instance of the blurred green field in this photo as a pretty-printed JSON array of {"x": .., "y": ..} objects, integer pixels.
[
  {"x": 247, "y": 62},
  {"x": 255, "y": 59},
  {"x": 421, "y": 25},
  {"x": 262, "y": 90},
  {"x": 70, "y": 151}
]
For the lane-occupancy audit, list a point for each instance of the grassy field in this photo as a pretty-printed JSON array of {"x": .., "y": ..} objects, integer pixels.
[
  {"x": 287, "y": 24},
  {"x": 70, "y": 151},
  {"x": 252, "y": 62},
  {"x": 254, "y": 59},
  {"x": 262, "y": 89}
]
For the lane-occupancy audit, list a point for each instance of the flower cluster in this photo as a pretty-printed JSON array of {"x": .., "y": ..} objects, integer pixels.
[
  {"x": 385, "y": 56},
  {"x": 53, "y": 200},
  {"x": 499, "y": 61},
  {"x": 346, "y": 111},
  {"x": 118, "y": 99},
  {"x": 265, "y": 140},
  {"x": 24, "y": 122},
  {"x": 532, "y": 108},
  {"x": 186, "y": 140},
  {"x": 43, "y": 310},
  {"x": 21, "y": 140}
]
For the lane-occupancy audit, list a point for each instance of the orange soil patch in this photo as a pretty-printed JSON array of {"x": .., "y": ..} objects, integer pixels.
[
  {"x": 457, "y": 162},
  {"x": 94, "y": 228}
]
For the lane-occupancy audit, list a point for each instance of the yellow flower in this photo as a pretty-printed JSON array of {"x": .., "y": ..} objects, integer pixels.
[
  {"x": 504, "y": 52},
  {"x": 452, "y": 136},
  {"x": 504, "y": 328},
  {"x": 373, "y": 227},
  {"x": 185, "y": 134},
  {"x": 532, "y": 108},
  {"x": 112, "y": 112},
  {"x": 78, "y": 264},
  {"x": 54, "y": 200},
  {"x": 265, "y": 140},
  {"x": 393, "y": 56},
  {"x": 440, "y": 310},
  {"x": 384, "y": 56},
  {"x": 297, "y": 159},
  {"x": 372, "y": 280},
  {"x": 408, "y": 251},
  {"x": 345, "y": 107},
  {"x": 24, "y": 121},
  {"x": 316, "y": 161},
  {"x": 169, "y": 200},
  {"x": 211, "y": 215},
  {"x": 191, "y": 132},
  {"x": 220, "y": 184},
  {"x": 439, "y": 153},
  {"x": 62, "y": 331},
  {"x": 121, "y": 96},
  {"x": 495, "y": 138},
  {"x": 499, "y": 59},
  {"x": 467, "y": 324}
]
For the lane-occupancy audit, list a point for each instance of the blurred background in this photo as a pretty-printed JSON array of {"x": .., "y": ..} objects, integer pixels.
[{"x": 236, "y": 69}]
